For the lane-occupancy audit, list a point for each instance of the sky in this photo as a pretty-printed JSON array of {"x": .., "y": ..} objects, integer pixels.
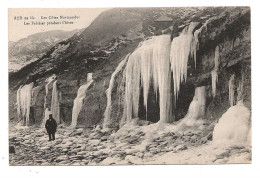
[{"x": 19, "y": 27}]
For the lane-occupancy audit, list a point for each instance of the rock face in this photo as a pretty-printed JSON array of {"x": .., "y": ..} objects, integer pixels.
[{"x": 95, "y": 51}]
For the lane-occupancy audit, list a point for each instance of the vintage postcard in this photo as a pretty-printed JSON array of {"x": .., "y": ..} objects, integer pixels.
[{"x": 129, "y": 86}]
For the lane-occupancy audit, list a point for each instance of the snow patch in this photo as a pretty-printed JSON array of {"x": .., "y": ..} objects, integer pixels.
[{"x": 234, "y": 125}]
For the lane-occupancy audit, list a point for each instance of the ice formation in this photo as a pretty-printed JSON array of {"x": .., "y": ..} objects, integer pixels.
[
  {"x": 231, "y": 87},
  {"x": 196, "y": 109},
  {"x": 48, "y": 80},
  {"x": 47, "y": 112},
  {"x": 24, "y": 95},
  {"x": 78, "y": 101},
  {"x": 149, "y": 61},
  {"x": 214, "y": 80},
  {"x": 182, "y": 47},
  {"x": 214, "y": 73},
  {"x": 109, "y": 91},
  {"x": 152, "y": 62},
  {"x": 18, "y": 100},
  {"x": 234, "y": 125},
  {"x": 55, "y": 105},
  {"x": 240, "y": 88}
]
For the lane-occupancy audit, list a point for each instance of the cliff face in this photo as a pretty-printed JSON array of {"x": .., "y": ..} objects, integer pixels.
[
  {"x": 114, "y": 34},
  {"x": 229, "y": 34}
]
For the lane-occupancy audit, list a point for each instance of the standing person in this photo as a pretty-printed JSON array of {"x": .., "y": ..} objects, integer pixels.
[{"x": 51, "y": 126}]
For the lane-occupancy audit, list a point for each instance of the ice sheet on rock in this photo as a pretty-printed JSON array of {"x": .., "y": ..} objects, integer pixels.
[
  {"x": 196, "y": 109},
  {"x": 55, "y": 105},
  {"x": 109, "y": 91},
  {"x": 78, "y": 101}
]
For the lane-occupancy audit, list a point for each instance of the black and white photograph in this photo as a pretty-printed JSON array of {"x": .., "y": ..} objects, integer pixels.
[{"x": 129, "y": 86}]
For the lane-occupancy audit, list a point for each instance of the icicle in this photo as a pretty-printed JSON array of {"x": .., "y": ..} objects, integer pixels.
[
  {"x": 24, "y": 95},
  {"x": 231, "y": 86},
  {"x": 18, "y": 98},
  {"x": 146, "y": 69},
  {"x": 109, "y": 91},
  {"x": 78, "y": 102},
  {"x": 214, "y": 80},
  {"x": 55, "y": 106},
  {"x": 214, "y": 73},
  {"x": 216, "y": 58},
  {"x": 240, "y": 89},
  {"x": 195, "y": 41}
]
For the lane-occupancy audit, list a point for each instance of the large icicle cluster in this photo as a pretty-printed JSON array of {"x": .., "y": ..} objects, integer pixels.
[
  {"x": 182, "y": 47},
  {"x": 152, "y": 62},
  {"x": 149, "y": 61},
  {"x": 214, "y": 73},
  {"x": 109, "y": 91},
  {"x": 78, "y": 101},
  {"x": 231, "y": 86},
  {"x": 24, "y": 94}
]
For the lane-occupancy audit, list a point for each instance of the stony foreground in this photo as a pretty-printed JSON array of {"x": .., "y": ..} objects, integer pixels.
[{"x": 127, "y": 146}]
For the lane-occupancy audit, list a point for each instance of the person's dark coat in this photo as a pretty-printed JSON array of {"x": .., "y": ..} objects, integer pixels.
[{"x": 51, "y": 125}]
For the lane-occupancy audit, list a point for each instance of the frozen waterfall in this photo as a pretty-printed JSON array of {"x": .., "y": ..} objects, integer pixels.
[
  {"x": 196, "y": 109},
  {"x": 55, "y": 106},
  {"x": 24, "y": 95},
  {"x": 46, "y": 114},
  {"x": 152, "y": 63},
  {"x": 48, "y": 80},
  {"x": 78, "y": 102},
  {"x": 109, "y": 91}
]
